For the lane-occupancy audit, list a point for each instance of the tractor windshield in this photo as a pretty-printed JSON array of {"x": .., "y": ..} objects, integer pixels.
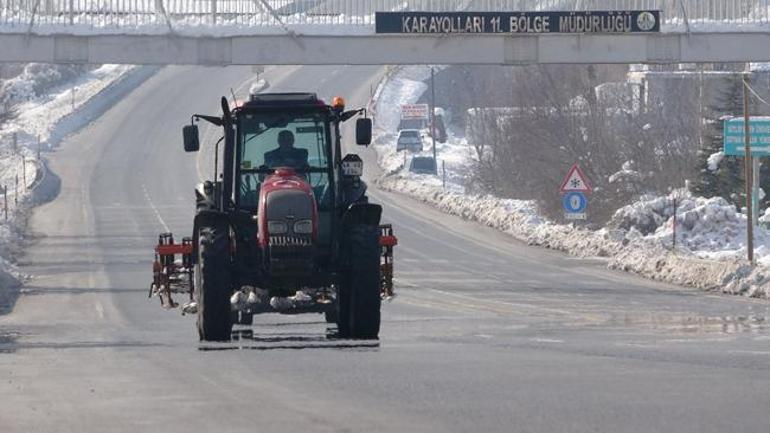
[{"x": 296, "y": 139}]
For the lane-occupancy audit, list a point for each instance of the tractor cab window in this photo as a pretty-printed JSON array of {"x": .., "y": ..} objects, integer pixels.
[{"x": 298, "y": 140}]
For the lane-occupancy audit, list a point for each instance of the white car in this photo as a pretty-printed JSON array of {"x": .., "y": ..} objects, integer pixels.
[{"x": 409, "y": 139}]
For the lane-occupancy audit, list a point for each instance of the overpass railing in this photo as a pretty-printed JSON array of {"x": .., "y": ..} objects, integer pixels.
[{"x": 223, "y": 17}]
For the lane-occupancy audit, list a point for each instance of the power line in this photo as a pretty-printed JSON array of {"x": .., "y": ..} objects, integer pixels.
[{"x": 757, "y": 95}]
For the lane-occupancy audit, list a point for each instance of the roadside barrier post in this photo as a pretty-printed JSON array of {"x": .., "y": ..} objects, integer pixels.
[
  {"x": 16, "y": 196},
  {"x": 38, "y": 147},
  {"x": 24, "y": 172},
  {"x": 443, "y": 173},
  {"x": 674, "y": 243}
]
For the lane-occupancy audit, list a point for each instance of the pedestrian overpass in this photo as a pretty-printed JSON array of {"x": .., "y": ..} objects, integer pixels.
[{"x": 224, "y": 32}]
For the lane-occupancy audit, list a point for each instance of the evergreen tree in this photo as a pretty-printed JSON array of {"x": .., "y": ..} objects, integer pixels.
[{"x": 726, "y": 180}]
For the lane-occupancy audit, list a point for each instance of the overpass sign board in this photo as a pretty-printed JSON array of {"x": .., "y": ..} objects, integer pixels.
[
  {"x": 518, "y": 22},
  {"x": 734, "y": 138}
]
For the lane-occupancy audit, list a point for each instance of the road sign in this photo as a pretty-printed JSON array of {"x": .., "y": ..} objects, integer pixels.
[
  {"x": 636, "y": 21},
  {"x": 734, "y": 139},
  {"x": 415, "y": 111},
  {"x": 575, "y": 181},
  {"x": 575, "y": 204}
]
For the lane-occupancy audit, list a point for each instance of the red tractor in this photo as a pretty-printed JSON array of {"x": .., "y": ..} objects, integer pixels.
[{"x": 286, "y": 227}]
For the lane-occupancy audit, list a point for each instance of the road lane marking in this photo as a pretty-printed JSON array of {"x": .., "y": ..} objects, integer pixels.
[{"x": 155, "y": 209}]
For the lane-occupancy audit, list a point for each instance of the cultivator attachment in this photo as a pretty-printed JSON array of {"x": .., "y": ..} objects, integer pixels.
[
  {"x": 387, "y": 242},
  {"x": 172, "y": 271}
]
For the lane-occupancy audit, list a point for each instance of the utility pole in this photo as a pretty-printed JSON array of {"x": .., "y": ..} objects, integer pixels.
[
  {"x": 748, "y": 166},
  {"x": 433, "y": 116},
  {"x": 38, "y": 147},
  {"x": 24, "y": 172}
]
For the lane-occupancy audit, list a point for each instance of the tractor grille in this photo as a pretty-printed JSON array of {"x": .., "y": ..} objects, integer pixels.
[
  {"x": 291, "y": 255},
  {"x": 290, "y": 241}
]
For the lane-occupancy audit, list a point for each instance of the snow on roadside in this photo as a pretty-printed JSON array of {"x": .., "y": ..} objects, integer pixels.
[
  {"x": 37, "y": 116},
  {"x": 711, "y": 243}
]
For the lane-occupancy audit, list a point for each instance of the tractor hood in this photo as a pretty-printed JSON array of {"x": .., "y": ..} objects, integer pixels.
[{"x": 287, "y": 209}]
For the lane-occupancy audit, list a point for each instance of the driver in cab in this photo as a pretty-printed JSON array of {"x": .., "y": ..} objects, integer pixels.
[{"x": 286, "y": 155}]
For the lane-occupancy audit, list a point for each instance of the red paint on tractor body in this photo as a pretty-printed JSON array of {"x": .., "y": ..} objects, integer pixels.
[{"x": 282, "y": 179}]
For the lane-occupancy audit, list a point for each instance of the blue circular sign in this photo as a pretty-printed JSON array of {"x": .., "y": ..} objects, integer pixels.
[{"x": 575, "y": 202}]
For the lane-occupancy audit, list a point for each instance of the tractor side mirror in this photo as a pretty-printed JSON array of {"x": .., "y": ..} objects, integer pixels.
[
  {"x": 364, "y": 131},
  {"x": 191, "y": 140}
]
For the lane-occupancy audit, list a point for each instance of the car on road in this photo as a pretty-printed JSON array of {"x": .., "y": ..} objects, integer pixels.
[
  {"x": 423, "y": 165},
  {"x": 409, "y": 139}
]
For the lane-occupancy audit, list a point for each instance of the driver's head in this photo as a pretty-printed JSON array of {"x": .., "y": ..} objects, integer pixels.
[{"x": 285, "y": 139}]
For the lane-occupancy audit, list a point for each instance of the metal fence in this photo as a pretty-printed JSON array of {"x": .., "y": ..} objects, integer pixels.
[{"x": 126, "y": 16}]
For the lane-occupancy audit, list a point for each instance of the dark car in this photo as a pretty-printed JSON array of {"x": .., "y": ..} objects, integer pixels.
[{"x": 423, "y": 165}]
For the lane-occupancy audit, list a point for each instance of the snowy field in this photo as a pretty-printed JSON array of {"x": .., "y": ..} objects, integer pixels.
[
  {"x": 41, "y": 121},
  {"x": 710, "y": 234}
]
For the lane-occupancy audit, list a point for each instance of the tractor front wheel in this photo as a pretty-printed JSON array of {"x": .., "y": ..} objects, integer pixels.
[{"x": 213, "y": 283}]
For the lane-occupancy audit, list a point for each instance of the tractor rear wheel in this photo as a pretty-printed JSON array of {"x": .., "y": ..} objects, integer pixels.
[
  {"x": 359, "y": 294},
  {"x": 213, "y": 283}
]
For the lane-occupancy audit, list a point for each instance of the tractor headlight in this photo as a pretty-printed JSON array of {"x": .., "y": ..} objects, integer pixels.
[
  {"x": 303, "y": 227},
  {"x": 277, "y": 227}
]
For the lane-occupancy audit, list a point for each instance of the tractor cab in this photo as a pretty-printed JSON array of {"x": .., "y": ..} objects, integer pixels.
[{"x": 288, "y": 131}]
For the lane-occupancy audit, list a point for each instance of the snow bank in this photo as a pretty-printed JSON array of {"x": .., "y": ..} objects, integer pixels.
[
  {"x": 41, "y": 98},
  {"x": 710, "y": 232}
]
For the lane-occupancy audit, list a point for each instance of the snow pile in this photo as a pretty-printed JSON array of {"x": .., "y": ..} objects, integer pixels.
[
  {"x": 707, "y": 228},
  {"x": 41, "y": 98},
  {"x": 714, "y": 159},
  {"x": 710, "y": 232},
  {"x": 34, "y": 80},
  {"x": 39, "y": 114}
]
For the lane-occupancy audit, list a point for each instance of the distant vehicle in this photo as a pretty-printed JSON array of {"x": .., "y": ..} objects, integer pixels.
[
  {"x": 409, "y": 139},
  {"x": 423, "y": 165}
]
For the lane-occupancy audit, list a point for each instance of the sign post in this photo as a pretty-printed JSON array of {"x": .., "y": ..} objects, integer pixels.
[
  {"x": 574, "y": 188},
  {"x": 749, "y": 176}
]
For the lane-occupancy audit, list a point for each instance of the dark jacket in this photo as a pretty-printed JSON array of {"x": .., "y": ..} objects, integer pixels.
[{"x": 293, "y": 158}]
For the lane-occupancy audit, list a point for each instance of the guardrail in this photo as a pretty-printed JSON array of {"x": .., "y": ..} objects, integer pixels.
[{"x": 334, "y": 16}]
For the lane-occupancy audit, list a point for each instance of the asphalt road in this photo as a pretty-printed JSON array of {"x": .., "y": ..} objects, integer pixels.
[{"x": 486, "y": 335}]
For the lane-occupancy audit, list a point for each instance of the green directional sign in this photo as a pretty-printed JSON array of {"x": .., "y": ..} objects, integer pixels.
[{"x": 734, "y": 138}]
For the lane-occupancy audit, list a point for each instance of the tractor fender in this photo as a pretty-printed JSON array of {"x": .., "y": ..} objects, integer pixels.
[{"x": 206, "y": 217}]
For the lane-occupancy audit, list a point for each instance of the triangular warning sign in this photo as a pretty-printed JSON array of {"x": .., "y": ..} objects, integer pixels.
[{"x": 575, "y": 181}]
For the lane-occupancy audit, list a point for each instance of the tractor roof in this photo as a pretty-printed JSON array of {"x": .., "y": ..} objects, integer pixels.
[{"x": 284, "y": 100}]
